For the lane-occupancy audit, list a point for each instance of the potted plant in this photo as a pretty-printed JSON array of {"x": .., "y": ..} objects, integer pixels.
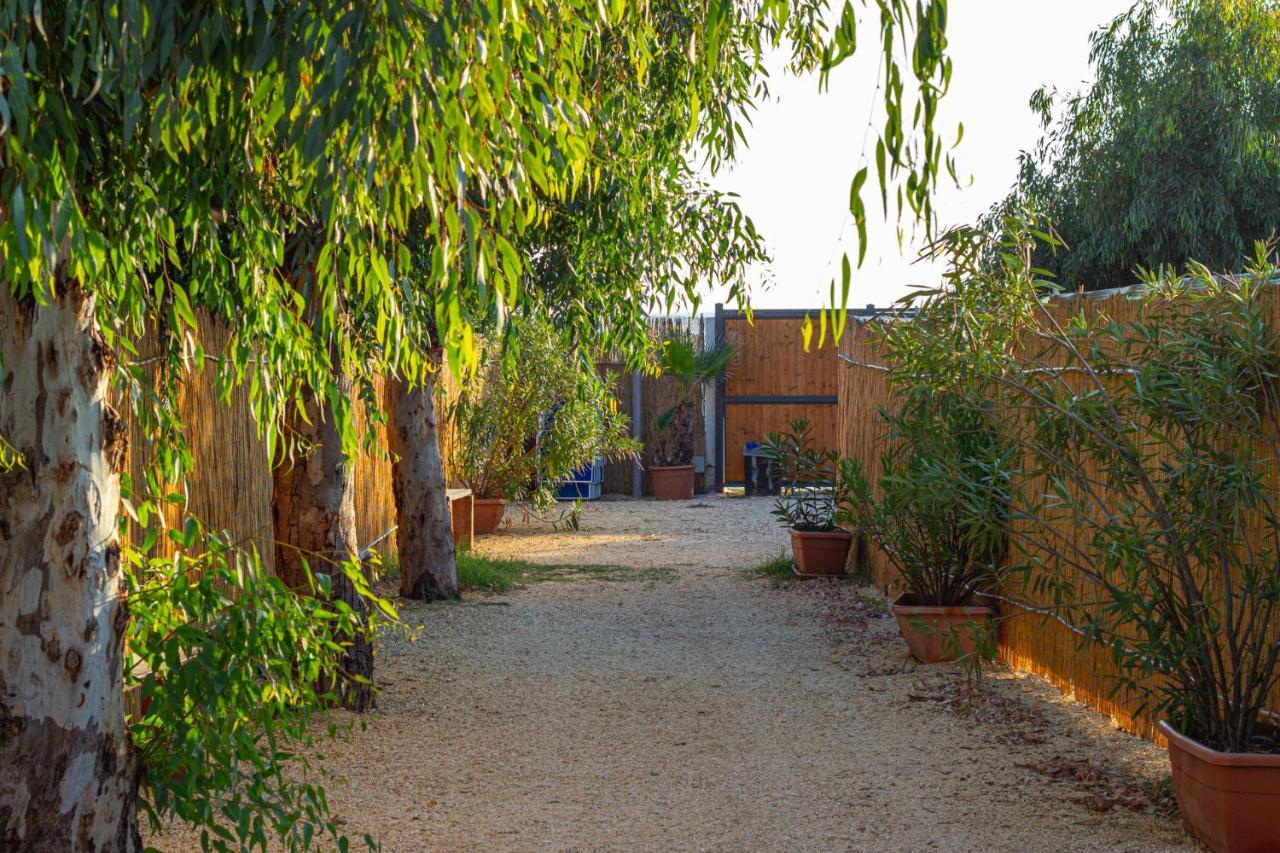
[
  {"x": 682, "y": 358},
  {"x": 1166, "y": 469},
  {"x": 937, "y": 517},
  {"x": 1143, "y": 510},
  {"x": 808, "y": 501},
  {"x": 532, "y": 416}
]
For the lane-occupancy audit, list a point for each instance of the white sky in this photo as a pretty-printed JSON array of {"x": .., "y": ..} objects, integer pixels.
[{"x": 804, "y": 146}]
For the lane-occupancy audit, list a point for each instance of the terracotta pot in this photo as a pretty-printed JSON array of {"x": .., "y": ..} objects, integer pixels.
[
  {"x": 820, "y": 554},
  {"x": 1229, "y": 800},
  {"x": 672, "y": 482},
  {"x": 488, "y": 515},
  {"x": 939, "y": 634}
]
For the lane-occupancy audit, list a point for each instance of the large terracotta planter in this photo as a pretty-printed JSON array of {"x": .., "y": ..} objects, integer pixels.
[
  {"x": 1229, "y": 800},
  {"x": 820, "y": 554},
  {"x": 672, "y": 482},
  {"x": 488, "y": 515},
  {"x": 939, "y": 634}
]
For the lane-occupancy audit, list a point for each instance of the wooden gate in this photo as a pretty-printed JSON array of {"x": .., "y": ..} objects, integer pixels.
[{"x": 773, "y": 382}]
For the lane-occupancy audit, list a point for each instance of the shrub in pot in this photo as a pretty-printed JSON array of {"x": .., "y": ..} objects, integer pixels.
[
  {"x": 1144, "y": 511},
  {"x": 683, "y": 358},
  {"x": 808, "y": 500},
  {"x": 536, "y": 411},
  {"x": 1185, "y": 430},
  {"x": 936, "y": 514}
]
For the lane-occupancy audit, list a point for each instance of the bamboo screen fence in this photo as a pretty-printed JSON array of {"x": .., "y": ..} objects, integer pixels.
[
  {"x": 229, "y": 487},
  {"x": 1028, "y": 641},
  {"x": 657, "y": 395}
]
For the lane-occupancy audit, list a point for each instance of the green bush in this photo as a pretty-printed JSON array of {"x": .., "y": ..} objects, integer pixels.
[
  {"x": 809, "y": 491},
  {"x": 1173, "y": 153},
  {"x": 536, "y": 412},
  {"x": 233, "y": 670},
  {"x": 941, "y": 499},
  {"x": 1142, "y": 508}
]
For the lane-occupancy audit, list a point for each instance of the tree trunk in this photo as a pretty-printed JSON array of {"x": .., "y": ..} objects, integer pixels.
[
  {"x": 315, "y": 526},
  {"x": 68, "y": 774},
  {"x": 424, "y": 527}
]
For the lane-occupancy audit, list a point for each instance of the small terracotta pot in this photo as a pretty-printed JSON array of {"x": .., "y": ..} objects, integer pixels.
[
  {"x": 939, "y": 634},
  {"x": 488, "y": 515},
  {"x": 1229, "y": 800},
  {"x": 672, "y": 482},
  {"x": 820, "y": 554}
]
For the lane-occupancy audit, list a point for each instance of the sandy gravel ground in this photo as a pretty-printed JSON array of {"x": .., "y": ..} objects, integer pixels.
[
  {"x": 712, "y": 709},
  {"x": 707, "y": 533}
]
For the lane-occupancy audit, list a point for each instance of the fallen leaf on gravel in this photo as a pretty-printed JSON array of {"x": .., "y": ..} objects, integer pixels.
[{"x": 1103, "y": 789}]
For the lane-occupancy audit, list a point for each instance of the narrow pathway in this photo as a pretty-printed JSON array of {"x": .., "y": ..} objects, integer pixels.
[{"x": 699, "y": 709}]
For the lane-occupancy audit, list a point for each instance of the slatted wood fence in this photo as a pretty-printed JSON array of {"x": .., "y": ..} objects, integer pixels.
[{"x": 773, "y": 382}]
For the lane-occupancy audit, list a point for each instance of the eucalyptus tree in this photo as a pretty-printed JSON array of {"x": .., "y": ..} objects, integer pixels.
[
  {"x": 642, "y": 232},
  {"x": 640, "y": 226},
  {"x": 650, "y": 231},
  {"x": 424, "y": 525},
  {"x": 313, "y": 488},
  {"x": 155, "y": 158},
  {"x": 1171, "y": 155}
]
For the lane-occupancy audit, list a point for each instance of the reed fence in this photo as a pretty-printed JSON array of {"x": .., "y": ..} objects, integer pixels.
[
  {"x": 657, "y": 395},
  {"x": 230, "y": 486},
  {"x": 1028, "y": 641}
]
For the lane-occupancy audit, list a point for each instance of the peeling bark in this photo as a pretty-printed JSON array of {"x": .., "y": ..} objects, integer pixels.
[
  {"x": 68, "y": 773},
  {"x": 424, "y": 528},
  {"x": 315, "y": 524}
]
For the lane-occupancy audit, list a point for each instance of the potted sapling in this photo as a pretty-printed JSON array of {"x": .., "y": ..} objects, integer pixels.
[
  {"x": 809, "y": 498},
  {"x": 937, "y": 516}
]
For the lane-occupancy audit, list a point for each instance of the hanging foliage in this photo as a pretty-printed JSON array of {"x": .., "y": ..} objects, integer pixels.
[{"x": 158, "y": 158}]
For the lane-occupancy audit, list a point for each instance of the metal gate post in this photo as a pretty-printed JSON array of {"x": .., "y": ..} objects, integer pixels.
[
  {"x": 637, "y": 425},
  {"x": 719, "y": 405}
]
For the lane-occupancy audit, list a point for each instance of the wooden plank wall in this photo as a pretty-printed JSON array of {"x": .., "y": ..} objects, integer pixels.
[
  {"x": 1027, "y": 641},
  {"x": 230, "y": 485},
  {"x": 772, "y": 362}
]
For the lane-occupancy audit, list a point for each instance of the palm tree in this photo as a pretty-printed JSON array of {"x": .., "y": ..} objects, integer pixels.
[{"x": 693, "y": 367}]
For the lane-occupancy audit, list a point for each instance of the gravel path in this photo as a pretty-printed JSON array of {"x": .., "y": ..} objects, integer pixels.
[{"x": 710, "y": 708}]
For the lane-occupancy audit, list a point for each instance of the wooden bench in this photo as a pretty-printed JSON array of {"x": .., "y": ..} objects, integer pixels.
[{"x": 462, "y": 510}]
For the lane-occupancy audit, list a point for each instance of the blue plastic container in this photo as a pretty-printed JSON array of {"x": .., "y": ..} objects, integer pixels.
[
  {"x": 585, "y": 483},
  {"x": 572, "y": 490}
]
